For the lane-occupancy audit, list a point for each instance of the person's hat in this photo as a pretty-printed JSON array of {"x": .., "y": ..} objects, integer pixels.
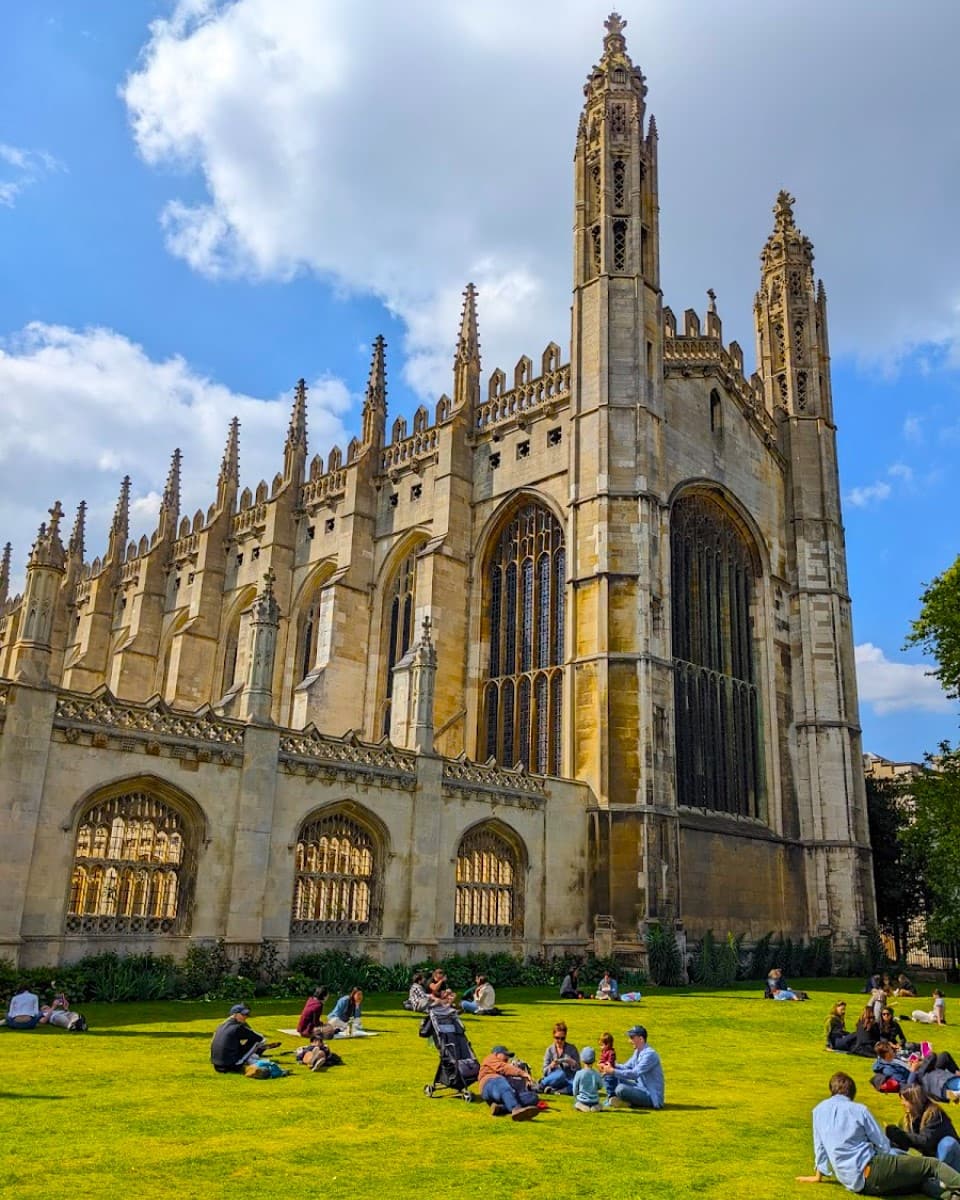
[
  {"x": 588, "y": 1054},
  {"x": 239, "y": 1008},
  {"x": 502, "y": 1050},
  {"x": 636, "y": 1031}
]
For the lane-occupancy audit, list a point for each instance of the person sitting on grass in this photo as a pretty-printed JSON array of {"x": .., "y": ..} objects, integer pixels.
[
  {"x": 506, "y": 1087},
  {"x": 775, "y": 980},
  {"x": 889, "y": 1027},
  {"x": 850, "y": 1145},
  {"x": 418, "y": 998},
  {"x": 570, "y": 986},
  {"x": 23, "y": 1011},
  {"x": 586, "y": 1083},
  {"x": 888, "y": 1070},
  {"x": 312, "y": 1014},
  {"x": 561, "y": 1061},
  {"x": 607, "y": 988},
  {"x": 608, "y": 1055},
  {"x": 937, "y": 1015},
  {"x": 484, "y": 998},
  {"x": 904, "y": 986},
  {"x": 346, "y": 1015},
  {"x": 437, "y": 982},
  {"x": 867, "y": 1035},
  {"x": 784, "y": 993},
  {"x": 836, "y": 1031},
  {"x": 637, "y": 1083},
  {"x": 925, "y": 1127},
  {"x": 235, "y": 1043}
]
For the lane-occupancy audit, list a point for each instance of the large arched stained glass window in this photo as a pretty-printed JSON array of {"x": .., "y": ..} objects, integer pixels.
[
  {"x": 399, "y": 631},
  {"x": 713, "y": 573},
  {"x": 489, "y": 886},
  {"x": 132, "y": 864},
  {"x": 336, "y": 890},
  {"x": 524, "y": 596}
]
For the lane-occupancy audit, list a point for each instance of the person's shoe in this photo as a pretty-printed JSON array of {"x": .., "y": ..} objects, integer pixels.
[
  {"x": 616, "y": 1102},
  {"x": 547, "y": 1091},
  {"x": 527, "y": 1113},
  {"x": 497, "y": 1110}
]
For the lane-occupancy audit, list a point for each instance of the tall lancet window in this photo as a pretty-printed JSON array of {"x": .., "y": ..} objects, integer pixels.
[
  {"x": 714, "y": 571},
  {"x": 337, "y": 882},
  {"x": 399, "y": 626},
  {"x": 524, "y": 602}
]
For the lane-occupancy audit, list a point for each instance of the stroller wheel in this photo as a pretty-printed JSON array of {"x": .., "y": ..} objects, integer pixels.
[{"x": 428, "y": 1089}]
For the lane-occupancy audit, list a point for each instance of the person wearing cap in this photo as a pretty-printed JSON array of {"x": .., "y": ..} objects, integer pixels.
[
  {"x": 235, "y": 1043},
  {"x": 637, "y": 1083},
  {"x": 498, "y": 1081},
  {"x": 586, "y": 1083}
]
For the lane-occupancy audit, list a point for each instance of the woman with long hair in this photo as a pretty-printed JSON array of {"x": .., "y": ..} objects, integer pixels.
[
  {"x": 867, "y": 1034},
  {"x": 925, "y": 1127},
  {"x": 836, "y": 1031}
]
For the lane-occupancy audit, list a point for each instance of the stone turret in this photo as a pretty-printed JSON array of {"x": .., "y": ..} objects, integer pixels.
[
  {"x": 44, "y": 573},
  {"x": 257, "y": 699}
]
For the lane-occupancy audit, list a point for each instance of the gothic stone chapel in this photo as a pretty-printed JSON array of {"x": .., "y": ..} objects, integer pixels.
[{"x": 571, "y": 657}]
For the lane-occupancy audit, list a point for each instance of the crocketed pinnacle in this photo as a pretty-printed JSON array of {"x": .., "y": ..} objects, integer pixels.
[
  {"x": 297, "y": 433},
  {"x": 376, "y": 396},
  {"x": 614, "y": 41},
  {"x": 5, "y": 572},
  {"x": 76, "y": 545},
  {"x": 171, "y": 492},
  {"x": 783, "y": 212},
  {"x": 120, "y": 526},
  {"x": 265, "y": 609},
  {"x": 230, "y": 464},
  {"x": 468, "y": 343}
]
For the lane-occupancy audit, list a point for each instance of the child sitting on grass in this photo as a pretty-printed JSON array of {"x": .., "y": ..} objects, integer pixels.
[
  {"x": 608, "y": 1056},
  {"x": 586, "y": 1083}
]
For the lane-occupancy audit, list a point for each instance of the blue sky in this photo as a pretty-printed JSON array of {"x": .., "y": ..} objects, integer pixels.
[{"x": 201, "y": 202}]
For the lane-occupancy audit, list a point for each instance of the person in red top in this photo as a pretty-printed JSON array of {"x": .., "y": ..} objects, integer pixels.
[
  {"x": 496, "y": 1081},
  {"x": 608, "y": 1056},
  {"x": 312, "y": 1012}
]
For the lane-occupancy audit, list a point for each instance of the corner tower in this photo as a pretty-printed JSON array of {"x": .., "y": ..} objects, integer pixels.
[
  {"x": 616, "y": 409},
  {"x": 794, "y": 361}
]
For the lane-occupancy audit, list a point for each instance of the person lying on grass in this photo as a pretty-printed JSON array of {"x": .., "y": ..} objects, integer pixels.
[
  {"x": 889, "y": 1067},
  {"x": 849, "y": 1145},
  {"x": 318, "y": 1055},
  {"x": 24, "y": 1009},
  {"x": 637, "y": 1083},
  {"x": 936, "y": 1016},
  {"x": 939, "y": 1076},
  {"x": 506, "y": 1087},
  {"x": 925, "y": 1127},
  {"x": 235, "y": 1043}
]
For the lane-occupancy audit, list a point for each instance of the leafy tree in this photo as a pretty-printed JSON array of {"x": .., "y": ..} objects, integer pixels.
[
  {"x": 933, "y": 838},
  {"x": 897, "y": 871},
  {"x": 937, "y": 629}
]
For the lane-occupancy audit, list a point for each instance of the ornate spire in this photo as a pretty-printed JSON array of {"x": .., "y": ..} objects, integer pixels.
[
  {"x": 75, "y": 546},
  {"x": 295, "y": 448},
  {"x": 171, "y": 493},
  {"x": 786, "y": 243},
  {"x": 5, "y": 573},
  {"x": 614, "y": 42},
  {"x": 256, "y": 702},
  {"x": 783, "y": 212},
  {"x": 48, "y": 550},
  {"x": 375, "y": 400},
  {"x": 228, "y": 481},
  {"x": 265, "y": 607},
  {"x": 468, "y": 343},
  {"x": 120, "y": 526}
]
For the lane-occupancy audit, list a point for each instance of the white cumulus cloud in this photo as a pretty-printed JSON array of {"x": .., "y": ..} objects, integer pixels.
[
  {"x": 889, "y": 686},
  {"x": 82, "y": 408},
  {"x": 870, "y": 493},
  {"x": 19, "y": 168},
  {"x": 402, "y": 149}
]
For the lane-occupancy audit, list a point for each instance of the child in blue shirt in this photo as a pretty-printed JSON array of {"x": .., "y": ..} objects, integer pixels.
[{"x": 586, "y": 1083}]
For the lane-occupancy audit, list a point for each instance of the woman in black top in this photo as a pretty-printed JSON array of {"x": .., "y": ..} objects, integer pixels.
[
  {"x": 868, "y": 1034},
  {"x": 889, "y": 1028},
  {"x": 925, "y": 1127}
]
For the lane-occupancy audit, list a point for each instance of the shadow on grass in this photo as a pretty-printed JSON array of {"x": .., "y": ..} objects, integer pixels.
[
  {"x": 144, "y": 1033},
  {"x": 29, "y": 1096},
  {"x": 691, "y": 1107}
]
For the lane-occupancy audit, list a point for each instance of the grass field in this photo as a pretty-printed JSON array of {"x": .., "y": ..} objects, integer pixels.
[{"x": 133, "y": 1108}]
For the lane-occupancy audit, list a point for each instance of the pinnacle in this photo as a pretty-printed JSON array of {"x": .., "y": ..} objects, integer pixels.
[
  {"x": 468, "y": 343},
  {"x": 230, "y": 465},
  {"x": 171, "y": 493},
  {"x": 5, "y": 572},
  {"x": 121, "y": 514},
  {"x": 297, "y": 433},
  {"x": 783, "y": 211},
  {"x": 76, "y": 543},
  {"x": 377, "y": 381}
]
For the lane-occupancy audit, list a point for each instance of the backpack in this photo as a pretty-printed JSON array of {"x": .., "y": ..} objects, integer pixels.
[{"x": 264, "y": 1068}]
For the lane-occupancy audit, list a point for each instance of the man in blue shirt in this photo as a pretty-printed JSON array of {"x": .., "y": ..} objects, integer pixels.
[
  {"x": 848, "y": 1143},
  {"x": 637, "y": 1083}
]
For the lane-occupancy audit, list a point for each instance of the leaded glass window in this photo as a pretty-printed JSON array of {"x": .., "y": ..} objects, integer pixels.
[
  {"x": 489, "y": 886},
  {"x": 130, "y": 867},
  {"x": 336, "y": 891},
  {"x": 717, "y": 699},
  {"x": 399, "y": 627},
  {"x": 524, "y": 582}
]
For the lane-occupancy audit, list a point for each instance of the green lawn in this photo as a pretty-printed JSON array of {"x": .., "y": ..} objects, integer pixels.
[{"x": 133, "y": 1108}]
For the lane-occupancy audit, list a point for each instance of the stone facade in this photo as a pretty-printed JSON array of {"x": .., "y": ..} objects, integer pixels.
[{"x": 630, "y": 573}]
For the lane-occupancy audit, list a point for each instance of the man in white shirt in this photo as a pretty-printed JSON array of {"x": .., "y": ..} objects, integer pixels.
[
  {"x": 24, "y": 1010},
  {"x": 849, "y": 1144}
]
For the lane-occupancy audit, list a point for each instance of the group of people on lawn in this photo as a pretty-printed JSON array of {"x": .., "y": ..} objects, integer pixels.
[{"x": 25, "y": 1012}]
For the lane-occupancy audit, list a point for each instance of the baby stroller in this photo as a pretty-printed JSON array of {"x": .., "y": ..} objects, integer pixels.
[{"x": 458, "y": 1066}]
